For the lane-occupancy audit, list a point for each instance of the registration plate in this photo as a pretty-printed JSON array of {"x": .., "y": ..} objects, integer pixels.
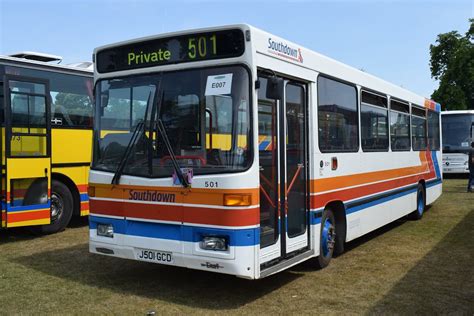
[{"x": 153, "y": 256}]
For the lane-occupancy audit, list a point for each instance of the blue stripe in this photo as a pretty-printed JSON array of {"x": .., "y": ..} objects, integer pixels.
[
  {"x": 28, "y": 207},
  {"x": 433, "y": 183},
  {"x": 84, "y": 197},
  {"x": 236, "y": 237},
  {"x": 436, "y": 165},
  {"x": 315, "y": 217},
  {"x": 263, "y": 145},
  {"x": 379, "y": 201}
]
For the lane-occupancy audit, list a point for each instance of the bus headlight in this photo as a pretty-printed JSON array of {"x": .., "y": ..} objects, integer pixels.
[
  {"x": 105, "y": 230},
  {"x": 213, "y": 243}
]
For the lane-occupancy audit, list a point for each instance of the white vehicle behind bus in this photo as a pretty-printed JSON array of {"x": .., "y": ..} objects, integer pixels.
[{"x": 456, "y": 129}]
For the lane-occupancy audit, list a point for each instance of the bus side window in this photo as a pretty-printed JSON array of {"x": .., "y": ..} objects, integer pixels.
[
  {"x": 418, "y": 125},
  {"x": 337, "y": 116},
  {"x": 433, "y": 131}
]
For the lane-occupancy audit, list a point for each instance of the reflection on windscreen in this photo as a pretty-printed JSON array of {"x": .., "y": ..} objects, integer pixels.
[
  {"x": 208, "y": 130},
  {"x": 456, "y": 132}
]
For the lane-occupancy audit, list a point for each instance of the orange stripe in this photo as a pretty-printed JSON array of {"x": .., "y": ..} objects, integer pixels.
[
  {"x": 84, "y": 206},
  {"x": 327, "y": 184},
  {"x": 82, "y": 188},
  {"x": 190, "y": 196},
  {"x": 318, "y": 201}
]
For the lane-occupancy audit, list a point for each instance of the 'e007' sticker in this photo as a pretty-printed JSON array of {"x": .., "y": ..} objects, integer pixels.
[{"x": 219, "y": 84}]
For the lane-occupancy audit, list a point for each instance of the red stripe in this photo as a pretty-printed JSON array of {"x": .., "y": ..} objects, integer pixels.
[
  {"x": 198, "y": 215},
  {"x": 82, "y": 188},
  {"x": 28, "y": 216},
  {"x": 319, "y": 201},
  {"x": 84, "y": 206}
]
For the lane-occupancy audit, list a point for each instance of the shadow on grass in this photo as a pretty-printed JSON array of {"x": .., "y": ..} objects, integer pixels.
[
  {"x": 176, "y": 285},
  {"x": 27, "y": 233},
  {"x": 16, "y": 234},
  {"x": 310, "y": 265},
  {"x": 442, "y": 282}
]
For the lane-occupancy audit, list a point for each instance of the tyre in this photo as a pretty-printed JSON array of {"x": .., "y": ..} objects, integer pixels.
[
  {"x": 420, "y": 203},
  {"x": 327, "y": 238},
  {"x": 61, "y": 209}
]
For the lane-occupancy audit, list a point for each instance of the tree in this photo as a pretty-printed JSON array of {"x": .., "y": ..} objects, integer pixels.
[{"x": 452, "y": 63}]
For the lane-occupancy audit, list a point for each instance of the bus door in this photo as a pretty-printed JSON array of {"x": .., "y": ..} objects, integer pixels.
[
  {"x": 27, "y": 144},
  {"x": 284, "y": 228}
]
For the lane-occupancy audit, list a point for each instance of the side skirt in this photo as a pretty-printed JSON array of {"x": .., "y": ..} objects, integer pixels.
[{"x": 286, "y": 263}]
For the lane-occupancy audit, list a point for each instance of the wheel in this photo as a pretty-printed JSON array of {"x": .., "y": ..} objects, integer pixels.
[
  {"x": 327, "y": 238},
  {"x": 420, "y": 203},
  {"x": 61, "y": 208}
]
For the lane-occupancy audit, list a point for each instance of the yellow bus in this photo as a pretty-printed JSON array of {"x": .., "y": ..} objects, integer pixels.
[{"x": 46, "y": 140}]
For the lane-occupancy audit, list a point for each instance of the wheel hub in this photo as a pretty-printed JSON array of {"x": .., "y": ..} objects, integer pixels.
[
  {"x": 57, "y": 207},
  {"x": 329, "y": 237},
  {"x": 420, "y": 204}
]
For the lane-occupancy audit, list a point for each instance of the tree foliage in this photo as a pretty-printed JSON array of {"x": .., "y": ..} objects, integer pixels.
[{"x": 452, "y": 63}]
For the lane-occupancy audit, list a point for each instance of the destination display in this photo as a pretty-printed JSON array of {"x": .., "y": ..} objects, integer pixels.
[{"x": 186, "y": 48}]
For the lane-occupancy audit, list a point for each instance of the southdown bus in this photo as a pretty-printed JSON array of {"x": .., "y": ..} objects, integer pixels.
[
  {"x": 232, "y": 150},
  {"x": 456, "y": 130},
  {"x": 46, "y": 135}
]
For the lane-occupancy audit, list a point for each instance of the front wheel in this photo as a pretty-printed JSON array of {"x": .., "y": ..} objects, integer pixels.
[
  {"x": 327, "y": 238},
  {"x": 420, "y": 203},
  {"x": 61, "y": 208}
]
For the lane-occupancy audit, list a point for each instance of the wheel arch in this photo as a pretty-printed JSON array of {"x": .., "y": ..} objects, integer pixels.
[
  {"x": 339, "y": 211},
  {"x": 423, "y": 183},
  {"x": 73, "y": 188}
]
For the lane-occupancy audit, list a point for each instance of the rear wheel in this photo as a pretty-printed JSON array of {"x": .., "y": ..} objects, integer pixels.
[
  {"x": 327, "y": 238},
  {"x": 420, "y": 203},
  {"x": 61, "y": 208}
]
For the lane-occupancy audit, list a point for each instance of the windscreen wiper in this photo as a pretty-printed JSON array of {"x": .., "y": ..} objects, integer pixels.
[
  {"x": 131, "y": 144},
  {"x": 164, "y": 136}
]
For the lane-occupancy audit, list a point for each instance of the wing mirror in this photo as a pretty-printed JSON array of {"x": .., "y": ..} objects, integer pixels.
[{"x": 275, "y": 88}]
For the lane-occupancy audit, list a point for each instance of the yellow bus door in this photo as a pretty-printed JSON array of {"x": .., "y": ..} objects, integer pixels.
[{"x": 27, "y": 152}]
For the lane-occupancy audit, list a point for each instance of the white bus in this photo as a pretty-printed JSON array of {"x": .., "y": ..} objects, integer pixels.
[
  {"x": 232, "y": 150},
  {"x": 456, "y": 129}
]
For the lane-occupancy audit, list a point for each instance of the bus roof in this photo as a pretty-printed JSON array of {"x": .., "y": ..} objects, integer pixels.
[
  {"x": 457, "y": 112},
  {"x": 37, "y": 56},
  {"x": 85, "y": 67},
  {"x": 310, "y": 60}
]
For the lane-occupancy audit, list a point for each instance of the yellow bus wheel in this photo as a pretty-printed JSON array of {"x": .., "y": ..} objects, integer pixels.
[{"x": 61, "y": 208}]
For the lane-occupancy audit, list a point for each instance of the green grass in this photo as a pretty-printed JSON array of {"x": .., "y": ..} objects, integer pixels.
[{"x": 415, "y": 267}]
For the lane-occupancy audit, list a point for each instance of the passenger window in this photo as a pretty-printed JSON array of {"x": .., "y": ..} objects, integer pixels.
[
  {"x": 418, "y": 127},
  {"x": 337, "y": 116},
  {"x": 374, "y": 122},
  {"x": 71, "y": 96},
  {"x": 400, "y": 126}
]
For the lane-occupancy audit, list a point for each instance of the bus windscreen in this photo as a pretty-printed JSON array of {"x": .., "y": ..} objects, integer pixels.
[
  {"x": 170, "y": 50},
  {"x": 456, "y": 132}
]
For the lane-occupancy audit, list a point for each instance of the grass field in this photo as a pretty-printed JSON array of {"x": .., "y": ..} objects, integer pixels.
[{"x": 415, "y": 267}]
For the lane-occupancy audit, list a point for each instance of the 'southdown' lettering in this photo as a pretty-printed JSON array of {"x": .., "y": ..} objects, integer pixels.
[{"x": 152, "y": 196}]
